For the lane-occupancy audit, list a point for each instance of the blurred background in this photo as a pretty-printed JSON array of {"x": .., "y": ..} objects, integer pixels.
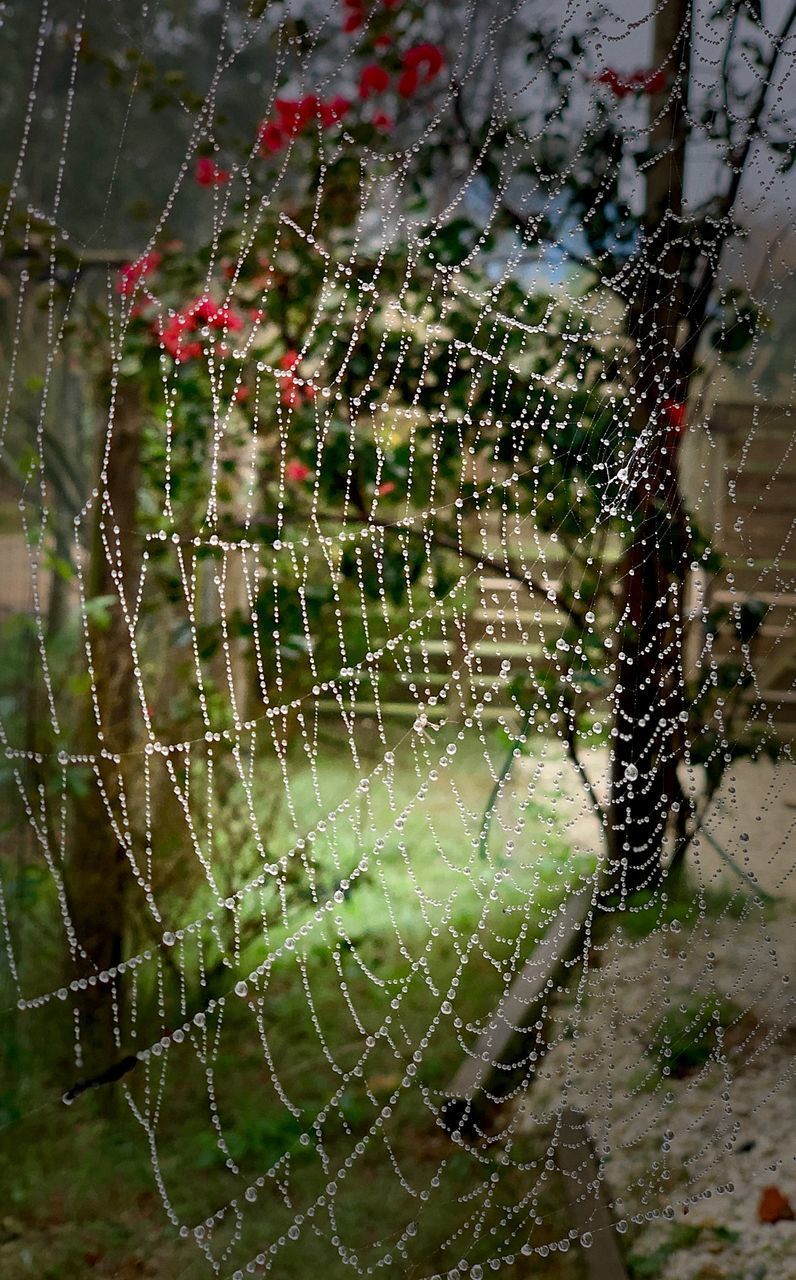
[{"x": 396, "y": 609}]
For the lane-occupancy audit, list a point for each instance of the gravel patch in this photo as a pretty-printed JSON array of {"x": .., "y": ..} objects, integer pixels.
[{"x": 689, "y": 1130}]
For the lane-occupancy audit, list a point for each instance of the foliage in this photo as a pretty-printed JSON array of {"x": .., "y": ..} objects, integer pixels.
[
  {"x": 682, "y": 1236},
  {"x": 287, "y": 352},
  {"x": 688, "y": 1036},
  {"x": 58, "y": 1222}
]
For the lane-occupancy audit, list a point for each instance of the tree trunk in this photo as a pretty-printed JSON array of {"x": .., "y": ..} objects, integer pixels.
[
  {"x": 96, "y": 877},
  {"x": 648, "y": 694}
]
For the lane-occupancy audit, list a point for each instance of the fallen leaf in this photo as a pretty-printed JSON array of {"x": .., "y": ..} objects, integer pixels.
[{"x": 774, "y": 1207}]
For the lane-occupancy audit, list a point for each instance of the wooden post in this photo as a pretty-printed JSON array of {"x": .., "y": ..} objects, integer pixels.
[
  {"x": 96, "y": 862},
  {"x": 591, "y": 1215},
  {"x": 525, "y": 1001}
]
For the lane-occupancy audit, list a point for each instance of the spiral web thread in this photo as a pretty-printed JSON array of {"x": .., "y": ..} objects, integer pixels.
[{"x": 458, "y": 811}]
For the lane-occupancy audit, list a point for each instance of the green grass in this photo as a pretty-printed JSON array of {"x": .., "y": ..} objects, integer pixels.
[
  {"x": 81, "y": 1198},
  {"x": 688, "y": 1036},
  {"x": 682, "y": 1236}
]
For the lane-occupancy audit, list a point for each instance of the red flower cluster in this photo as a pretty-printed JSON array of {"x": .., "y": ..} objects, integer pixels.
[
  {"x": 271, "y": 137},
  {"x": 298, "y": 471},
  {"x": 293, "y": 393},
  {"x": 132, "y": 272},
  {"x": 177, "y": 336},
  {"x": 208, "y": 174},
  {"x": 354, "y": 13},
  {"x": 637, "y": 82},
  {"x": 293, "y": 115},
  {"x": 373, "y": 79},
  {"x": 353, "y": 16},
  {"x": 422, "y": 64}
]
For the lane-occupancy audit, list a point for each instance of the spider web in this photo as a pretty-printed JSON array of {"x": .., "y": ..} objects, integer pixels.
[{"x": 368, "y": 813}]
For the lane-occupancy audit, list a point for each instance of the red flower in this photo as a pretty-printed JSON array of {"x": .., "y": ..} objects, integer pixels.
[
  {"x": 293, "y": 394},
  {"x": 195, "y": 316},
  {"x": 226, "y": 318},
  {"x": 172, "y": 339},
  {"x": 384, "y": 489},
  {"x": 427, "y": 58},
  {"x": 373, "y": 79},
  {"x": 407, "y": 83},
  {"x": 619, "y": 88},
  {"x": 382, "y": 42},
  {"x": 332, "y": 112},
  {"x": 290, "y": 393},
  {"x": 676, "y": 412},
  {"x": 173, "y": 335},
  {"x": 295, "y": 113},
  {"x": 205, "y": 311},
  {"x": 296, "y": 470},
  {"x": 383, "y": 122},
  {"x": 287, "y": 109},
  {"x": 242, "y": 394},
  {"x": 309, "y": 106},
  {"x": 391, "y": 4},
  {"x": 647, "y": 82},
  {"x": 354, "y": 20},
  {"x": 272, "y": 138},
  {"x": 651, "y": 83},
  {"x": 208, "y": 174},
  {"x": 201, "y": 309},
  {"x": 132, "y": 272}
]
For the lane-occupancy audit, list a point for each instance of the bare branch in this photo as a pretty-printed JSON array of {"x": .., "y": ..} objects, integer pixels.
[
  {"x": 700, "y": 297},
  {"x": 506, "y": 567}
]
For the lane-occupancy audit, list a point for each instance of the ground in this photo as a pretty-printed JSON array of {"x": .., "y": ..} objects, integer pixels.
[
  {"x": 708, "y": 1137},
  {"x": 717, "y": 1120},
  {"x": 677, "y": 1046}
]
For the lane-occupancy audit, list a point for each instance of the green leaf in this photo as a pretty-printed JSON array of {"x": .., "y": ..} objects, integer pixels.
[
  {"x": 61, "y": 567},
  {"x": 98, "y": 610}
]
